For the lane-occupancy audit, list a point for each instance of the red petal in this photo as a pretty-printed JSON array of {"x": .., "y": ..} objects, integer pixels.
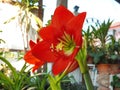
[
  {"x": 37, "y": 66},
  {"x": 60, "y": 65},
  {"x": 74, "y": 27},
  {"x": 32, "y": 44},
  {"x": 76, "y": 23},
  {"x": 49, "y": 34},
  {"x": 74, "y": 65},
  {"x": 28, "y": 57},
  {"x": 61, "y": 16},
  {"x": 43, "y": 52}
]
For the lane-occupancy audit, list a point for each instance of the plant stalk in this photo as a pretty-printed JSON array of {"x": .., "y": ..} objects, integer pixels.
[
  {"x": 54, "y": 84},
  {"x": 88, "y": 81}
]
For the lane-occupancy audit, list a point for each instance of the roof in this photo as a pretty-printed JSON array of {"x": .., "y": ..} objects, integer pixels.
[{"x": 115, "y": 25}]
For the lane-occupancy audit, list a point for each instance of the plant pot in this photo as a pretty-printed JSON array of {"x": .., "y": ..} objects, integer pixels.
[
  {"x": 89, "y": 60},
  {"x": 103, "y": 88},
  {"x": 103, "y": 68},
  {"x": 115, "y": 68},
  {"x": 103, "y": 76}
]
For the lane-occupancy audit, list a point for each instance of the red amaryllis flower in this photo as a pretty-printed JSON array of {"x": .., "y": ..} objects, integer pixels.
[
  {"x": 32, "y": 59},
  {"x": 61, "y": 40}
]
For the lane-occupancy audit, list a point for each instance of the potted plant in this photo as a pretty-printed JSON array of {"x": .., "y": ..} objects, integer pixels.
[
  {"x": 97, "y": 38},
  {"x": 114, "y": 55},
  {"x": 103, "y": 49},
  {"x": 99, "y": 52},
  {"x": 100, "y": 37}
]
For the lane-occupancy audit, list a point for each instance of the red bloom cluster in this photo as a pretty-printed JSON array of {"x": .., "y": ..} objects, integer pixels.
[{"x": 61, "y": 40}]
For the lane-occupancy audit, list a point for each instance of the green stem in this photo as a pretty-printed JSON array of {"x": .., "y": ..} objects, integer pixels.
[
  {"x": 88, "y": 81},
  {"x": 54, "y": 85},
  {"x": 81, "y": 59}
]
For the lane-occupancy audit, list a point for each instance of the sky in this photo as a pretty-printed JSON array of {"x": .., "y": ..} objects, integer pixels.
[{"x": 97, "y": 9}]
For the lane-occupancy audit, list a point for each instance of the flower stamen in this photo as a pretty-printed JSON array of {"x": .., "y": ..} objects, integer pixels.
[
  {"x": 66, "y": 43},
  {"x": 59, "y": 47}
]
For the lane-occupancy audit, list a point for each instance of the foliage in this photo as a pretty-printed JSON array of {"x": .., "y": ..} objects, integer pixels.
[
  {"x": 25, "y": 17},
  {"x": 26, "y": 7},
  {"x": 23, "y": 80},
  {"x": 116, "y": 81},
  {"x": 101, "y": 32},
  {"x": 102, "y": 47},
  {"x": 11, "y": 79},
  {"x": 114, "y": 50},
  {"x": 20, "y": 80},
  {"x": 15, "y": 80},
  {"x": 73, "y": 86},
  {"x": 29, "y": 3}
]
